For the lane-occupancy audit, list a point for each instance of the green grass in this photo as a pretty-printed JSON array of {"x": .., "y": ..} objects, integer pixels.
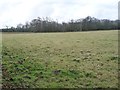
[
  {"x": 0, "y": 60},
  {"x": 56, "y": 60}
]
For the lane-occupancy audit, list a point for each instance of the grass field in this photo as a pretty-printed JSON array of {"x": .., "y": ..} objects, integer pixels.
[
  {"x": 60, "y": 60},
  {"x": 0, "y": 60}
]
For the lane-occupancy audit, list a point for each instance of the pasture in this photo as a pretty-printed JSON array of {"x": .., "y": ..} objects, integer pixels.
[
  {"x": 60, "y": 60},
  {"x": 0, "y": 60}
]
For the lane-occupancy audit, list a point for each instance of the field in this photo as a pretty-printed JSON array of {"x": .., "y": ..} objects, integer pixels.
[
  {"x": 60, "y": 60},
  {"x": 0, "y": 60}
]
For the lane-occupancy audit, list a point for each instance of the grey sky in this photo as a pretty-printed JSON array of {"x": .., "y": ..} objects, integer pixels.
[{"x": 13, "y": 12}]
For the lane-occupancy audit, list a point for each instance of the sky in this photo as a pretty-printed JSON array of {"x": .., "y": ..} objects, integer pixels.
[{"x": 14, "y": 12}]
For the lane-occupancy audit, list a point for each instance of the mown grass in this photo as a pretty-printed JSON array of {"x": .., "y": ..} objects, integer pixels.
[{"x": 60, "y": 60}]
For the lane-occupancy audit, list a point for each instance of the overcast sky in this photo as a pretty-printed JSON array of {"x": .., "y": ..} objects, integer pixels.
[{"x": 13, "y": 12}]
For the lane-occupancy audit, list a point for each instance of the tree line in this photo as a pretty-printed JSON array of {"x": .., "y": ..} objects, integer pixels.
[{"x": 48, "y": 25}]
